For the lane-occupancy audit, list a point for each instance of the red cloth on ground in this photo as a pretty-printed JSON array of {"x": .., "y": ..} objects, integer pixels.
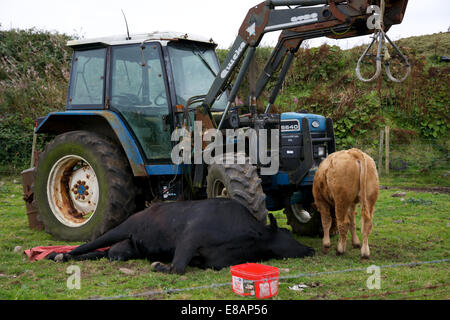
[{"x": 39, "y": 253}]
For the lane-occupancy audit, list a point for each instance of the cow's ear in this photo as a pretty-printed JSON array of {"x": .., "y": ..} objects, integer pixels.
[{"x": 273, "y": 222}]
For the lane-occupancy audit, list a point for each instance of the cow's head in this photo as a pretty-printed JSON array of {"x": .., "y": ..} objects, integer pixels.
[{"x": 283, "y": 244}]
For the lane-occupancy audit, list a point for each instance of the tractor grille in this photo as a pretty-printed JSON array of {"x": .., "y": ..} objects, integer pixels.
[{"x": 291, "y": 150}]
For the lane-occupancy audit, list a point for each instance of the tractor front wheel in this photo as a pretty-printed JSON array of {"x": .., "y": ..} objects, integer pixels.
[{"x": 239, "y": 182}]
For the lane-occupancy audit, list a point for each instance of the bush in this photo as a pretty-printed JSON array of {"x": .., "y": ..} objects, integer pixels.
[{"x": 34, "y": 72}]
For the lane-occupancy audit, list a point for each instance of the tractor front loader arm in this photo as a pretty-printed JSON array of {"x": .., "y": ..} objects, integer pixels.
[{"x": 299, "y": 20}]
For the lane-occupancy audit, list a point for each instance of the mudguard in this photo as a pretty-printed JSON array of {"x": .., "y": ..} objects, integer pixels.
[{"x": 60, "y": 122}]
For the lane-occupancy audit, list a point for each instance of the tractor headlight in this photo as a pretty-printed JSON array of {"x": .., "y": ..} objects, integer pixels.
[
  {"x": 315, "y": 124},
  {"x": 321, "y": 151}
]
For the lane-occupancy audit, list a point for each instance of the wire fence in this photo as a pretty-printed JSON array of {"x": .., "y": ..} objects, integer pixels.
[{"x": 290, "y": 277}]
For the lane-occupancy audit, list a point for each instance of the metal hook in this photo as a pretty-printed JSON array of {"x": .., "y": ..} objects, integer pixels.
[
  {"x": 387, "y": 64},
  {"x": 379, "y": 35},
  {"x": 382, "y": 37}
]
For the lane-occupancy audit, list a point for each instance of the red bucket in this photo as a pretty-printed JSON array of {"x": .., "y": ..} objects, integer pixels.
[{"x": 253, "y": 279}]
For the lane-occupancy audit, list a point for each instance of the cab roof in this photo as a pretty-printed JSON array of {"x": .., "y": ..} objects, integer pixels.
[{"x": 162, "y": 37}]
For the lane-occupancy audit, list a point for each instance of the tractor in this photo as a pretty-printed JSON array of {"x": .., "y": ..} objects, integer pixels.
[{"x": 112, "y": 151}]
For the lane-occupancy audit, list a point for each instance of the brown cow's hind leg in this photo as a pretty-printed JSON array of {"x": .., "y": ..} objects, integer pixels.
[
  {"x": 327, "y": 221},
  {"x": 366, "y": 226},
  {"x": 355, "y": 240},
  {"x": 343, "y": 221}
]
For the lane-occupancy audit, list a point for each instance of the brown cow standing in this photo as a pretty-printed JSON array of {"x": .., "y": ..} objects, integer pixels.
[{"x": 342, "y": 180}]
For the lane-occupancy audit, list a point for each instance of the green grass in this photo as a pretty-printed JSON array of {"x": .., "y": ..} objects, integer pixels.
[
  {"x": 404, "y": 231},
  {"x": 409, "y": 178},
  {"x": 434, "y": 44}
]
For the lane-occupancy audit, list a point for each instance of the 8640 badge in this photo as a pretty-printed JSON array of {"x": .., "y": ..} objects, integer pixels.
[{"x": 290, "y": 125}]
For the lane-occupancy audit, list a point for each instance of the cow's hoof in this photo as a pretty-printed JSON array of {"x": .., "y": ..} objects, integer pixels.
[
  {"x": 356, "y": 246},
  {"x": 325, "y": 250},
  {"x": 155, "y": 266},
  {"x": 159, "y": 267},
  {"x": 339, "y": 253},
  {"x": 365, "y": 258},
  {"x": 59, "y": 257}
]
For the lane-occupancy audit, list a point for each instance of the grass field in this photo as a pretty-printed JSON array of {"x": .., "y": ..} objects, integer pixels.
[{"x": 415, "y": 229}]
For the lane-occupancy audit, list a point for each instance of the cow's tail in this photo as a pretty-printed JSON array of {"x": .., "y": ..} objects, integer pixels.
[
  {"x": 363, "y": 185},
  {"x": 108, "y": 239}
]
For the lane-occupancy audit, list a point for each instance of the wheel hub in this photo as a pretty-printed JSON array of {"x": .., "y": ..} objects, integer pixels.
[
  {"x": 84, "y": 187},
  {"x": 301, "y": 214},
  {"x": 220, "y": 191},
  {"x": 73, "y": 191},
  {"x": 80, "y": 190}
]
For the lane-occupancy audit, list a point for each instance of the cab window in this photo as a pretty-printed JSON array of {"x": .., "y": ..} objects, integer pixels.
[{"x": 87, "y": 83}]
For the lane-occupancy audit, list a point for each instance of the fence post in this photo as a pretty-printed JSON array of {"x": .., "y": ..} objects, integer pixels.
[
  {"x": 380, "y": 153},
  {"x": 387, "y": 149}
]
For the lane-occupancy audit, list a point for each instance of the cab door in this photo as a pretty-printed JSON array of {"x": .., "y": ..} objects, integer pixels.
[{"x": 138, "y": 91}]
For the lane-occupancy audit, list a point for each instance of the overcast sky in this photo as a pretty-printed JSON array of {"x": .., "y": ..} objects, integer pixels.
[{"x": 215, "y": 19}]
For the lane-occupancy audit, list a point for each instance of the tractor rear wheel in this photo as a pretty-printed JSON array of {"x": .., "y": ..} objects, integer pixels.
[
  {"x": 239, "y": 182},
  {"x": 83, "y": 186}
]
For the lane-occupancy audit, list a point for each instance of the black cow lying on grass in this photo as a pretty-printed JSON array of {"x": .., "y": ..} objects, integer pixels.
[{"x": 214, "y": 233}]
